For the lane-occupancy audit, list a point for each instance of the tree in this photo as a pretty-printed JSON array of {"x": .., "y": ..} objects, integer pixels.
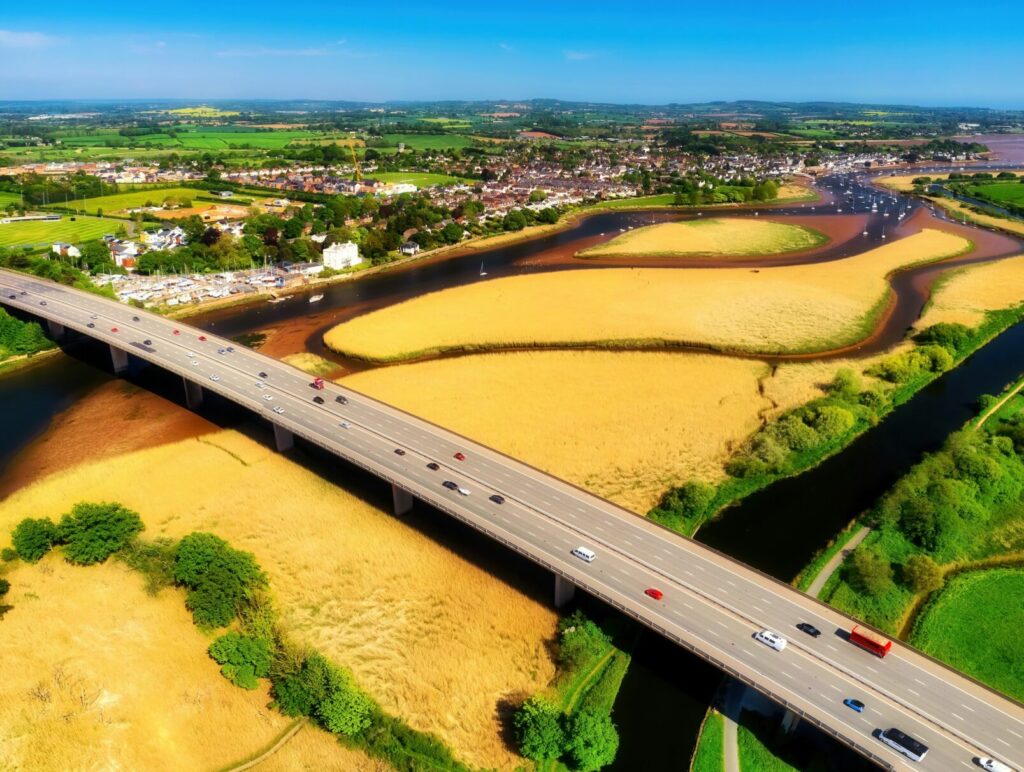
[
  {"x": 869, "y": 572},
  {"x": 539, "y": 730},
  {"x": 592, "y": 740},
  {"x": 93, "y": 532},
  {"x": 217, "y": 576},
  {"x": 678, "y": 199},
  {"x": 918, "y": 522},
  {"x": 33, "y": 538},
  {"x": 922, "y": 574},
  {"x": 96, "y": 257},
  {"x": 691, "y": 500},
  {"x": 243, "y": 658}
]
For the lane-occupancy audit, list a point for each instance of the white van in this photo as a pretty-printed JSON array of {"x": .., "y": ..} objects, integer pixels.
[
  {"x": 584, "y": 554},
  {"x": 768, "y": 638}
]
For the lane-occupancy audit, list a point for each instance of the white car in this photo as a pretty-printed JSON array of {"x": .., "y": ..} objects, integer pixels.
[
  {"x": 773, "y": 640},
  {"x": 268, "y": 397},
  {"x": 214, "y": 377},
  {"x": 195, "y": 363},
  {"x": 190, "y": 354},
  {"x": 279, "y": 410},
  {"x": 463, "y": 491},
  {"x": 345, "y": 425},
  {"x": 260, "y": 385},
  {"x": 585, "y": 554},
  {"x": 991, "y": 765}
]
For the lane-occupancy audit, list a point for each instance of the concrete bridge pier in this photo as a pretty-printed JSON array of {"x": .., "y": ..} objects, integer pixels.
[
  {"x": 401, "y": 499},
  {"x": 119, "y": 358},
  {"x": 790, "y": 721},
  {"x": 193, "y": 394},
  {"x": 283, "y": 438},
  {"x": 56, "y": 329},
  {"x": 564, "y": 590}
]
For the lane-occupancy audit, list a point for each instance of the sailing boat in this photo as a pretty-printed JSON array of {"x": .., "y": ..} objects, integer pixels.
[{"x": 482, "y": 271}]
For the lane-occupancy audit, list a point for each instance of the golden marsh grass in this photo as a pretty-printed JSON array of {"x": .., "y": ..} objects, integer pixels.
[
  {"x": 435, "y": 638},
  {"x": 711, "y": 237},
  {"x": 789, "y": 308},
  {"x": 969, "y": 292}
]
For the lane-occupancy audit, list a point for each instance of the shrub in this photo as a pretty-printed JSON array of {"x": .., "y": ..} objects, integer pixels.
[
  {"x": 243, "y": 659},
  {"x": 691, "y": 500},
  {"x": 580, "y": 640},
  {"x": 93, "y": 532},
  {"x": 832, "y": 421},
  {"x": 955, "y": 338},
  {"x": 922, "y": 574},
  {"x": 869, "y": 572},
  {"x": 5, "y": 587},
  {"x": 845, "y": 385},
  {"x": 539, "y": 730},
  {"x": 33, "y": 538},
  {"x": 592, "y": 740},
  {"x": 217, "y": 576},
  {"x": 325, "y": 692},
  {"x": 7, "y": 554}
]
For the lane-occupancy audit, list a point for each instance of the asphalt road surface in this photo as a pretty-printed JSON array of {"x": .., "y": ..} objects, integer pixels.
[{"x": 712, "y": 605}]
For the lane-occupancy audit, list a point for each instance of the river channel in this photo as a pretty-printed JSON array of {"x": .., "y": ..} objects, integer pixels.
[{"x": 666, "y": 692}]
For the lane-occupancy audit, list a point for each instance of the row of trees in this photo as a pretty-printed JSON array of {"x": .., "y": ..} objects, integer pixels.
[{"x": 18, "y": 338}]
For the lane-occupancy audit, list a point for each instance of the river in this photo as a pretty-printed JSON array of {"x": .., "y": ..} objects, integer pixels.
[{"x": 666, "y": 692}]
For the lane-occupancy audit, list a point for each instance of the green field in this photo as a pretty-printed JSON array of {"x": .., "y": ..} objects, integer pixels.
[
  {"x": 200, "y": 139},
  {"x": 7, "y": 197},
  {"x": 42, "y": 232},
  {"x": 429, "y": 141},
  {"x": 709, "y": 756},
  {"x": 754, "y": 755},
  {"x": 974, "y": 625},
  {"x": 120, "y": 201},
  {"x": 999, "y": 192},
  {"x": 419, "y": 179}
]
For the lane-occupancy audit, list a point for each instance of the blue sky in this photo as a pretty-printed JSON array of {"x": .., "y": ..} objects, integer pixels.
[{"x": 935, "y": 53}]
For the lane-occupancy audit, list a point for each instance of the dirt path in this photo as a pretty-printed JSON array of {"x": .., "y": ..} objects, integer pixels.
[
  {"x": 836, "y": 560},
  {"x": 995, "y": 408},
  {"x": 292, "y": 731}
]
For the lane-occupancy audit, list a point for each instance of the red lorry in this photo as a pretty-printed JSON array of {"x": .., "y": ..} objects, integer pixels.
[
  {"x": 318, "y": 384},
  {"x": 870, "y": 641}
]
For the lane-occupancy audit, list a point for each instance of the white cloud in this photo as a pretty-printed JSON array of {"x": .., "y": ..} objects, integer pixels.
[
  {"x": 578, "y": 56},
  {"x": 329, "y": 49},
  {"x": 12, "y": 39}
]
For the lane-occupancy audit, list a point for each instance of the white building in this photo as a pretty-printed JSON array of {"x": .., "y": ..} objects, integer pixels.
[
  {"x": 66, "y": 250},
  {"x": 338, "y": 256}
]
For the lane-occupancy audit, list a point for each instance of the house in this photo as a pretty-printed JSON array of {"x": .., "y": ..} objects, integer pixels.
[
  {"x": 338, "y": 256},
  {"x": 66, "y": 250},
  {"x": 165, "y": 238},
  {"x": 409, "y": 248}
]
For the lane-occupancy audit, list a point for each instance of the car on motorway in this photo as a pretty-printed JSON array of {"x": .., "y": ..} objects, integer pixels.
[
  {"x": 260, "y": 385},
  {"x": 42, "y": 302},
  {"x": 991, "y": 765},
  {"x": 13, "y": 297},
  {"x": 497, "y": 498},
  {"x": 190, "y": 354},
  {"x": 463, "y": 491},
  {"x": 399, "y": 452},
  {"x": 268, "y": 397},
  {"x": 176, "y": 332},
  {"x": 230, "y": 349},
  {"x": 135, "y": 318},
  {"x": 147, "y": 342},
  {"x": 319, "y": 400},
  {"x": 279, "y": 410},
  {"x": 214, "y": 377},
  {"x": 459, "y": 457},
  {"x": 263, "y": 375},
  {"x": 113, "y": 329},
  {"x": 584, "y": 554},
  {"x": 450, "y": 485},
  {"x": 91, "y": 325},
  {"x": 202, "y": 338},
  {"x": 195, "y": 363},
  {"x": 433, "y": 465},
  {"x": 222, "y": 351},
  {"x": 345, "y": 425},
  {"x": 853, "y": 704},
  {"x": 771, "y": 639},
  {"x": 654, "y": 592},
  {"x": 340, "y": 399},
  {"x": 808, "y": 628}
]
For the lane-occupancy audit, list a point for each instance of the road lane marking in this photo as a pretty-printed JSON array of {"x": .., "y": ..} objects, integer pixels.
[{"x": 954, "y": 715}]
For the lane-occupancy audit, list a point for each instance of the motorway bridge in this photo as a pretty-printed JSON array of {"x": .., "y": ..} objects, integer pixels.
[{"x": 711, "y": 605}]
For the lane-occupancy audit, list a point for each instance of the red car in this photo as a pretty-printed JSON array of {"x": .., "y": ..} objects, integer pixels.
[
  {"x": 177, "y": 332},
  {"x": 202, "y": 337},
  {"x": 113, "y": 329},
  {"x": 460, "y": 457},
  {"x": 651, "y": 592}
]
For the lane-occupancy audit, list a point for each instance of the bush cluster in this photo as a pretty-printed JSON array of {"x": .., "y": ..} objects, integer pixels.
[
  {"x": 217, "y": 576},
  {"x": 579, "y": 640},
  {"x": 323, "y": 691},
  {"x": 91, "y": 533},
  {"x": 33, "y": 538},
  {"x": 586, "y": 738},
  {"x": 243, "y": 659}
]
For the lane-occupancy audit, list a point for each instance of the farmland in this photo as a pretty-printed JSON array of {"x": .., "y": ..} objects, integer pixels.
[
  {"x": 428, "y": 141},
  {"x": 46, "y": 232},
  {"x": 999, "y": 192},
  {"x": 978, "y": 606},
  {"x": 712, "y": 237},
  {"x": 790, "y": 308},
  {"x": 368, "y": 590},
  {"x": 120, "y": 202}
]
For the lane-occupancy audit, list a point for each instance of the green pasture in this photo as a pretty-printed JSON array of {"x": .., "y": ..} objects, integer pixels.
[{"x": 45, "y": 232}]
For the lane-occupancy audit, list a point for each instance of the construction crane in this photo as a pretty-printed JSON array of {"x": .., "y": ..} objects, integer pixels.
[{"x": 355, "y": 163}]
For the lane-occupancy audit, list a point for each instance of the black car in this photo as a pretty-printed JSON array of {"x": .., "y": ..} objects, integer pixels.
[
  {"x": 810, "y": 629},
  {"x": 399, "y": 452},
  {"x": 450, "y": 485},
  {"x": 148, "y": 342},
  {"x": 230, "y": 349},
  {"x": 433, "y": 465},
  {"x": 91, "y": 324},
  {"x": 497, "y": 499},
  {"x": 135, "y": 318},
  {"x": 341, "y": 400},
  {"x": 264, "y": 375},
  {"x": 13, "y": 297},
  {"x": 318, "y": 400},
  {"x": 42, "y": 302}
]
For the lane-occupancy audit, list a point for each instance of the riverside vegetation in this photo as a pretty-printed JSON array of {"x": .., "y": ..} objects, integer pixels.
[
  {"x": 226, "y": 587},
  {"x": 943, "y": 565},
  {"x": 18, "y": 338}
]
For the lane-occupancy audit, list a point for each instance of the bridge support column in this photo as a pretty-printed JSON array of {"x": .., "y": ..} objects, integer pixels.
[
  {"x": 119, "y": 358},
  {"x": 56, "y": 329},
  {"x": 193, "y": 394},
  {"x": 790, "y": 721},
  {"x": 283, "y": 438},
  {"x": 401, "y": 499},
  {"x": 564, "y": 591}
]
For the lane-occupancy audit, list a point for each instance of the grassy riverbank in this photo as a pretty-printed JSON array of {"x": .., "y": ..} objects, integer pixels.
[{"x": 709, "y": 755}]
